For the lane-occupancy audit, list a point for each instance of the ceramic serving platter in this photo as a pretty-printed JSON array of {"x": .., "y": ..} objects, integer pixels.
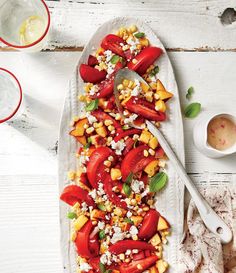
[{"x": 169, "y": 202}]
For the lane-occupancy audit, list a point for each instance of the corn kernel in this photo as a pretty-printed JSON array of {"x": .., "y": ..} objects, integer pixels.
[
  {"x": 125, "y": 82},
  {"x": 73, "y": 236},
  {"x": 108, "y": 122},
  {"x": 111, "y": 128},
  {"x": 145, "y": 153},
  {"x": 151, "y": 152},
  {"x": 71, "y": 175},
  {"x": 130, "y": 85},
  {"x": 135, "y": 237},
  {"x": 134, "y": 61},
  {"x": 111, "y": 158},
  {"x": 122, "y": 256},
  {"x": 90, "y": 130},
  {"x": 107, "y": 163},
  {"x": 118, "y": 116},
  {"x": 120, "y": 87},
  {"x": 146, "y": 209},
  {"x": 133, "y": 29}
]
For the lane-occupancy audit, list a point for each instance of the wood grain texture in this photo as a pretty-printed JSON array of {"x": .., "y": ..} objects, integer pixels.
[{"x": 193, "y": 25}]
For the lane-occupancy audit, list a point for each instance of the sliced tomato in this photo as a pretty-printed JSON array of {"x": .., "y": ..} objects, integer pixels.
[
  {"x": 96, "y": 159},
  {"x": 138, "y": 266},
  {"x": 105, "y": 89},
  {"x": 91, "y": 74},
  {"x": 142, "y": 163},
  {"x": 144, "y": 59},
  {"x": 84, "y": 180},
  {"x": 129, "y": 145},
  {"x": 139, "y": 256},
  {"x": 113, "y": 197},
  {"x": 113, "y": 42},
  {"x": 149, "y": 225},
  {"x": 122, "y": 246},
  {"x": 94, "y": 262},
  {"x": 131, "y": 160},
  {"x": 94, "y": 245},
  {"x": 144, "y": 108},
  {"x": 82, "y": 241},
  {"x": 73, "y": 194},
  {"x": 129, "y": 132},
  {"x": 101, "y": 116},
  {"x": 92, "y": 60},
  {"x": 147, "y": 253}
]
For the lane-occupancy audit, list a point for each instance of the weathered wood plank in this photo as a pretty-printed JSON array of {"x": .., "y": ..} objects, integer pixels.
[{"x": 182, "y": 25}]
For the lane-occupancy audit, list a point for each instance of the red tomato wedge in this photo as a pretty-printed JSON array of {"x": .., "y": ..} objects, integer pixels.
[
  {"x": 113, "y": 197},
  {"x": 138, "y": 266},
  {"x": 122, "y": 246},
  {"x": 82, "y": 241},
  {"x": 129, "y": 144},
  {"x": 92, "y": 60},
  {"x": 149, "y": 225},
  {"x": 73, "y": 194},
  {"x": 139, "y": 256},
  {"x": 113, "y": 42},
  {"x": 105, "y": 89},
  {"x": 91, "y": 74},
  {"x": 98, "y": 156},
  {"x": 144, "y": 59},
  {"x": 131, "y": 160},
  {"x": 129, "y": 132},
  {"x": 144, "y": 109},
  {"x": 101, "y": 116}
]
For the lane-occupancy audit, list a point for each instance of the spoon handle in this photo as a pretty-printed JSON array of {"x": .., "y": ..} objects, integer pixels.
[{"x": 212, "y": 221}]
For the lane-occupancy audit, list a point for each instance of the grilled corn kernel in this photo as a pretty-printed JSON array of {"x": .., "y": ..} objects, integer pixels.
[
  {"x": 145, "y": 153},
  {"x": 107, "y": 163},
  {"x": 108, "y": 122},
  {"x": 90, "y": 130},
  {"x": 134, "y": 61},
  {"x": 73, "y": 236},
  {"x": 120, "y": 87},
  {"x": 125, "y": 82},
  {"x": 71, "y": 175},
  {"x": 133, "y": 29},
  {"x": 111, "y": 128}
]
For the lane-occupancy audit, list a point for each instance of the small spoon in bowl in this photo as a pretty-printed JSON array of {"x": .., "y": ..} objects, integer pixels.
[{"x": 212, "y": 221}]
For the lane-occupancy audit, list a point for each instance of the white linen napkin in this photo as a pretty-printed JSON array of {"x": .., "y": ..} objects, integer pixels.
[{"x": 201, "y": 250}]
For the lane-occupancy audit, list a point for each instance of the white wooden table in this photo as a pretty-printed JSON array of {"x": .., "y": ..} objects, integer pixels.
[{"x": 202, "y": 51}]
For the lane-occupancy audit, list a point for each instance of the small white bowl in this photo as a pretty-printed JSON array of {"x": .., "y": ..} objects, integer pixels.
[{"x": 200, "y": 135}]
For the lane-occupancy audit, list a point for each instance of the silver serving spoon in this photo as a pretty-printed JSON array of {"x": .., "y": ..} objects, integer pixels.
[{"x": 212, "y": 221}]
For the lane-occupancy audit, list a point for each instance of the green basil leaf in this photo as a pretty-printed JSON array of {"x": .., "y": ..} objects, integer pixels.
[
  {"x": 192, "y": 110},
  {"x": 92, "y": 105},
  {"x": 102, "y": 234},
  {"x": 190, "y": 92},
  {"x": 102, "y": 268},
  {"x": 139, "y": 34},
  {"x": 71, "y": 215},
  {"x": 158, "y": 181},
  {"x": 87, "y": 145},
  {"x": 126, "y": 189},
  {"x": 129, "y": 221},
  {"x": 115, "y": 59},
  {"x": 129, "y": 178},
  {"x": 102, "y": 207}
]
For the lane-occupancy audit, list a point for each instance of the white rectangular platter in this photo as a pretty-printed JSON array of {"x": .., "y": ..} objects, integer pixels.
[{"x": 170, "y": 201}]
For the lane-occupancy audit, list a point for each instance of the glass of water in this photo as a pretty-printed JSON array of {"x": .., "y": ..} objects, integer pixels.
[
  {"x": 10, "y": 95},
  {"x": 24, "y": 24}
]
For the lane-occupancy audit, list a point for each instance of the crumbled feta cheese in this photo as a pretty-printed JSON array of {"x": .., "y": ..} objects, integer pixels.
[
  {"x": 133, "y": 230},
  {"x": 118, "y": 146},
  {"x": 110, "y": 69},
  {"x": 146, "y": 191},
  {"x": 118, "y": 235},
  {"x": 93, "y": 194},
  {"x": 83, "y": 159},
  {"x": 100, "y": 189},
  {"x": 106, "y": 258},
  {"x": 137, "y": 186},
  {"x": 130, "y": 119},
  {"x": 107, "y": 217},
  {"x": 128, "y": 252},
  {"x": 129, "y": 214},
  {"x": 135, "y": 251},
  {"x": 133, "y": 42},
  {"x": 93, "y": 90},
  {"x": 91, "y": 118},
  {"x": 101, "y": 225},
  {"x": 85, "y": 267},
  {"x": 84, "y": 207},
  {"x": 108, "y": 54},
  {"x": 137, "y": 89}
]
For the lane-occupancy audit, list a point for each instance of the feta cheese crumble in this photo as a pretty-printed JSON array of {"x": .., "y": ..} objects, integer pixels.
[
  {"x": 101, "y": 225},
  {"x": 91, "y": 118},
  {"x": 130, "y": 119},
  {"x": 84, "y": 207},
  {"x": 133, "y": 231},
  {"x": 137, "y": 89},
  {"x": 118, "y": 146},
  {"x": 85, "y": 267},
  {"x": 137, "y": 186},
  {"x": 118, "y": 235}
]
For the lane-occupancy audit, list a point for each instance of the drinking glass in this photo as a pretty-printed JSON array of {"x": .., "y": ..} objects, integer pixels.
[
  {"x": 10, "y": 95},
  {"x": 24, "y": 24}
]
